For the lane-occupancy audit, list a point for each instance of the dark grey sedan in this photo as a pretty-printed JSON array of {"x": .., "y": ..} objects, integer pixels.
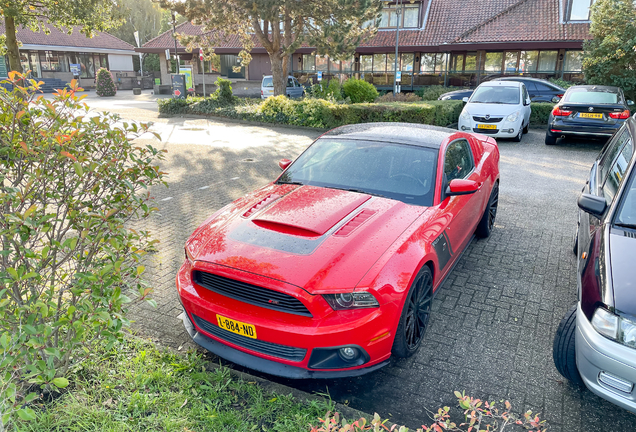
[{"x": 595, "y": 344}]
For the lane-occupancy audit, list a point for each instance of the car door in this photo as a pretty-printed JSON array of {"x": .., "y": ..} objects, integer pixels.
[
  {"x": 532, "y": 90},
  {"x": 464, "y": 210},
  {"x": 525, "y": 101}
]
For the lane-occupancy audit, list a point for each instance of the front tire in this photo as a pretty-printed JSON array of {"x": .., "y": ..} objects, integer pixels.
[
  {"x": 487, "y": 222},
  {"x": 564, "y": 350},
  {"x": 525, "y": 129},
  {"x": 519, "y": 136},
  {"x": 415, "y": 315}
]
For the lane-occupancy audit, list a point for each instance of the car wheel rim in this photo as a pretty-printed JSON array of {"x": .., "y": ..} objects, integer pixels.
[
  {"x": 492, "y": 209},
  {"x": 418, "y": 312}
]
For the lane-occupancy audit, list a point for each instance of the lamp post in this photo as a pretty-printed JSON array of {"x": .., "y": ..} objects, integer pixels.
[
  {"x": 174, "y": 35},
  {"x": 397, "y": 41}
]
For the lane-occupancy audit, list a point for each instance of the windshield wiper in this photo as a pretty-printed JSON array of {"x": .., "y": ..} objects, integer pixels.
[
  {"x": 625, "y": 225},
  {"x": 290, "y": 182},
  {"x": 360, "y": 191}
]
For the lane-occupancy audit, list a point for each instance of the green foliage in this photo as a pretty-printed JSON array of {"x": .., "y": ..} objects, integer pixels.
[
  {"x": 609, "y": 57},
  {"x": 223, "y": 92},
  {"x": 563, "y": 83},
  {"x": 540, "y": 112},
  {"x": 137, "y": 387},
  {"x": 331, "y": 90},
  {"x": 71, "y": 186},
  {"x": 104, "y": 85},
  {"x": 359, "y": 91},
  {"x": 400, "y": 97},
  {"x": 143, "y": 16},
  {"x": 431, "y": 93}
]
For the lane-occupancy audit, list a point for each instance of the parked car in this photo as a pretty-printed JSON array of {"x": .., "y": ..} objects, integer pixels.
[
  {"x": 595, "y": 344},
  {"x": 331, "y": 269},
  {"x": 539, "y": 90},
  {"x": 498, "y": 108},
  {"x": 294, "y": 88},
  {"x": 588, "y": 111}
]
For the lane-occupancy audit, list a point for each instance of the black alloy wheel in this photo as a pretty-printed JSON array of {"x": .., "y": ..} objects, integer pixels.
[
  {"x": 487, "y": 222},
  {"x": 415, "y": 315}
]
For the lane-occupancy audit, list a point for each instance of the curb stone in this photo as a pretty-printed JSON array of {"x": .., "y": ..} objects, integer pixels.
[
  {"x": 243, "y": 122},
  {"x": 345, "y": 411}
]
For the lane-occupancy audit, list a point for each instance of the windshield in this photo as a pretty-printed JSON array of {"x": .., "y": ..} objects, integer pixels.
[
  {"x": 590, "y": 96},
  {"x": 401, "y": 172},
  {"x": 268, "y": 82},
  {"x": 626, "y": 214},
  {"x": 496, "y": 95}
]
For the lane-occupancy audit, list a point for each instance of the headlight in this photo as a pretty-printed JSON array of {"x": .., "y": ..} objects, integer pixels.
[
  {"x": 513, "y": 117},
  {"x": 351, "y": 300},
  {"x": 618, "y": 328},
  {"x": 465, "y": 115}
]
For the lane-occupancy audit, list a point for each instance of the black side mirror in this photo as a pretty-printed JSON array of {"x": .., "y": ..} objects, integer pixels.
[{"x": 592, "y": 204}]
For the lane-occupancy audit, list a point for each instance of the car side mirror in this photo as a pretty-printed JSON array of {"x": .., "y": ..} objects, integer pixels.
[
  {"x": 592, "y": 204},
  {"x": 528, "y": 101},
  {"x": 461, "y": 187},
  {"x": 284, "y": 163},
  {"x": 556, "y": 99},
  {"x": 465, "y": 100},
  {"x": 630, "y": 102}
]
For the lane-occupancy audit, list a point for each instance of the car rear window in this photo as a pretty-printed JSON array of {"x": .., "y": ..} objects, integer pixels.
[
  {"x": 268, "y": 82},
  {"x": 496, "y": 95},
  {"x": 591, "y": 96}
]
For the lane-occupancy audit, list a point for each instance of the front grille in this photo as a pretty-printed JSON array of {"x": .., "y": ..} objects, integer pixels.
[
  {"x": 272, "y": 349},
  {"x": 486, "y": 131},
  {"x": 251, "y": 294},
  {"x": 487, "y": 120}
]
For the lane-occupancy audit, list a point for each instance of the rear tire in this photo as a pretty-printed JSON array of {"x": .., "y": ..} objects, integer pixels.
[
  {"x": 550, "y": 139},
  {"x": 564, "y": 350},
  {"x": 415, "y": 316},
  {"x": 487, "y": 222}
]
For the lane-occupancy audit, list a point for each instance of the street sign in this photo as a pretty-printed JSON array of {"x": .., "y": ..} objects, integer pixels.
[
  {"x": 200, "y": 54},
  {"x": 167, "y": 54},
  {"x": 76, "y": 69},
  {"x": 398, "y": 76},
  {"x": 319, "y": 75}
]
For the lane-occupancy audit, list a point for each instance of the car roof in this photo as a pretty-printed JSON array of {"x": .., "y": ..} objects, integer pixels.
[
  {"x": 519, "y": 78},
  {"x": 271, "y": 76},
  {"x": 494, "y": 83},
  {"x": 399, "y": 133}
]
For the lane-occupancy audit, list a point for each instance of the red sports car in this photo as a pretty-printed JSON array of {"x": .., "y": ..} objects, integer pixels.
[{"x": 332, "y": 268}]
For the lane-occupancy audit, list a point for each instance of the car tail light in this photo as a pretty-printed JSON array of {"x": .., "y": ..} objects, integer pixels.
[
  {"x": 560, "y": 96},
  {"x": 558, "y": 112},
  {"x": 620, "y": 115},
  {"x": 261, "y": 92}
]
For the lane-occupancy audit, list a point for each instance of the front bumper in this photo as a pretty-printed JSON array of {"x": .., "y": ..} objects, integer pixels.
[
  {"x": 504, "y": 129},
  {"x": 285, "y": 341},
  {"x": 596, "y": 354}
]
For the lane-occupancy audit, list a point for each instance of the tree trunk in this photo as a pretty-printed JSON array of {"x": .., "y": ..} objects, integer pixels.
[
  {"x": 279, "y": 76},
  {"x": 13, "y": 51}
]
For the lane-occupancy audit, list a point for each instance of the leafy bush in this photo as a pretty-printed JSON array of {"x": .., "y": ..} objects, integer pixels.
[
  {"x": 359, "y": 91},
  {"x": 400, "y": 97},
  {"x": 71, "y": 186},
  {"x": 104, "y": 86},
  {"x": 432, "y": 93},
  {"x": 174, "y": 106},
  {"x": 323, "y": 90},
  {"x": 223, "y": 92},
  {"x": 540, "y": 112},
  {"x": 562, "y": 83}
]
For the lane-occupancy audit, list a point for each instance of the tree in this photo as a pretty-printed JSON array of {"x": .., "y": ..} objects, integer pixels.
[
  {"x": 610, "y": 57},
  {"x": 333, "y": 27},
  {"x": 105, "y": 85},
  {"x": 38, "y": 15}
]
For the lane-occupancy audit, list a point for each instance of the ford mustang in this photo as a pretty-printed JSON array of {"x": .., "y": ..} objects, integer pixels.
[{"x": 331, "y": 269}]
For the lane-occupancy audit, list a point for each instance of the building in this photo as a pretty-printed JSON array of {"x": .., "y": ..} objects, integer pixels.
[
  {"x": 49, "y": 57},
  {"x": 441, "y": 42}
]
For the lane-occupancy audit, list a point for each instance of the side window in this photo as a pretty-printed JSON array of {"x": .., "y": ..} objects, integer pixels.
[
  {"x": 290, "y": 82},
  {"x": 617, "y": 171},
  {"x": 613, "y": 148},
  {"x": 530, "y": 86},
  {"x": 296, "y": 83},
  {"x": 458, "y": 161},
  {"x": 524, "y": 94},
  {"x": 544, "y": 88}
]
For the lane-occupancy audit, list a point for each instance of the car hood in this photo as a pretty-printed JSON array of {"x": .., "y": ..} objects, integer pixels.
[
  {"x": 322, "y": 240},
  {"x": 482, "y": 109},
  {"x": 622, "y": 250}
]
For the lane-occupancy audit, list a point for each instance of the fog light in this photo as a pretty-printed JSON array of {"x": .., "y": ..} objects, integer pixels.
[
  {"x": 465, "y": 128},
  {"x": 511, "y": 130},
  {"x": 348, "y": 353},
  {"x": 615, "y": 382}
]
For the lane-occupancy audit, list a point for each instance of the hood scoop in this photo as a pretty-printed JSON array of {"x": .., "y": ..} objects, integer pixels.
[
  {"x": 261, "y": 204},
  {"x": 309, "y": 210},
  {"x": 354, "y": 223}
]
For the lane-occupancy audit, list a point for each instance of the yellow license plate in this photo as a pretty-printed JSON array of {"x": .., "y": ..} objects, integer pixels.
[
  {"x": 237, "y": 327},
  {"x": 591, "y": 115},
  {"x": 486, "y": 126}
]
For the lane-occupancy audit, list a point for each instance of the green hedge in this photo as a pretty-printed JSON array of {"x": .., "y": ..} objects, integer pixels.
[
  {"x": 319, "y": 113},
  {"x": 540, "y": 113}
]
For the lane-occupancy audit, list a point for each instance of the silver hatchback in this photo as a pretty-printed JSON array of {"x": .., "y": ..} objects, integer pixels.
[{"x": 294, "y": 88}]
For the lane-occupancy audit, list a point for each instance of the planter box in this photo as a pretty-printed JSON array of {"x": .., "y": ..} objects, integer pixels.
[{"x": 136, "y": 91}]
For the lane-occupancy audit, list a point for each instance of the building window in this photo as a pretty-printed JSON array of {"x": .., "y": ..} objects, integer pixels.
[
  {"x": 347, "y": 65},
  {"x": 406, "y": 62},
  {"x": 457, "y": 63},
  {"x": 510, "y": 61},
  {"x": 573, "y": 61},
  {"x": 470, "y": 62},
  {"x": 379, "y": 62},
  {"x": 210, "y": 66},
  {"x": 322, "y": 63},
  {"x": 432, "y": 63},
  {"x": 366, "y": 63},
  {"x": 309, "y": 62},
  {"x": 409, "y": 16},
  {"x": 494, "y": 61},
  {"x": 547, "y": 61},
  {"x": 580, "y": 10},
  {"x": 528, "y": 61}
]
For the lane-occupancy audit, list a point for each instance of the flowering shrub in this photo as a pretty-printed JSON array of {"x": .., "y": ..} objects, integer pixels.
[
  {"x": 70, "y": 187},
  {"x": 104, "y": 84}
]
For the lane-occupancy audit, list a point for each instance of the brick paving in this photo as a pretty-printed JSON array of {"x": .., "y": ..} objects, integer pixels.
[{"x": 493, "y": 320}]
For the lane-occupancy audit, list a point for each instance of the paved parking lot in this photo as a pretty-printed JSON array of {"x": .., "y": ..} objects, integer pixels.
[{"x": 495, "y": 317}]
